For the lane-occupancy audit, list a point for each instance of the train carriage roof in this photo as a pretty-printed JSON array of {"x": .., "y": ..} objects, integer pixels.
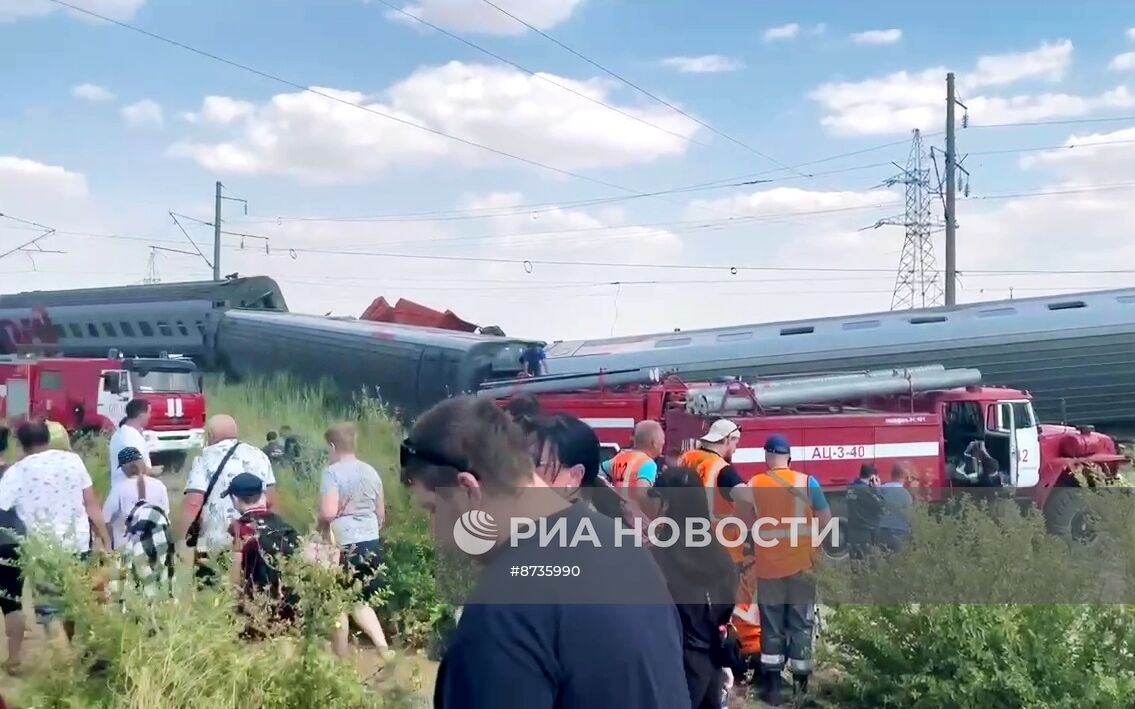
[{"x": 254, "y": 291}]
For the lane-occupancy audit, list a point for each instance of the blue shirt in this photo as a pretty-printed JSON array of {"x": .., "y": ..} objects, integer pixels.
[
  {"x": 816, "y": 495},
  {"x": 648, "y": 471}
]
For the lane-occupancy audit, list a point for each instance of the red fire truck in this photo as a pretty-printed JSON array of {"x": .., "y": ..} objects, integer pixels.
[
  {"x": 90, "y": 395},
  {"x": 925, "y": 417}
]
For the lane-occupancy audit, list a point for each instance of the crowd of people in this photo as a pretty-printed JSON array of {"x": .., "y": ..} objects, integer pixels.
[
  {"x": 654, "y": 623},
  {"x": 671, "y": 624},
  {"x": 228, "y": 509}
]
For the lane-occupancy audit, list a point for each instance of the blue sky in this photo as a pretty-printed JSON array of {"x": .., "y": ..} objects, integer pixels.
[{"x": 104, "y": 131}]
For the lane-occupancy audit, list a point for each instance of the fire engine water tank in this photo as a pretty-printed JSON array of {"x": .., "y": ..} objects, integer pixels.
[{"x": 824, "y": 390}]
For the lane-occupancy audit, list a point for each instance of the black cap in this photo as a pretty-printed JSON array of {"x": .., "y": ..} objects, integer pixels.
[
  {"x": 127, "y": 455},
  {"x": 244, "y": 485}
]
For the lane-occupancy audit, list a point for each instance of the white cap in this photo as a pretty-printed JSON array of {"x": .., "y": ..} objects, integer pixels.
[{"x": 720, "y": 431}]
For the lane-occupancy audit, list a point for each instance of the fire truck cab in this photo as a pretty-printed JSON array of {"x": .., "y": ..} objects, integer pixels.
[{"x": 90, "y": 395}]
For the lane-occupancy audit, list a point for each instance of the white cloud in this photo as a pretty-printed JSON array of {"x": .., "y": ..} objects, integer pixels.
[
  {"x": 221, "y": 111},
  {"x": 32, "y": 181},
  {"x": 903, "y": 100},
  {"x": 877, "y": 37},
  {"x": 789, "y": 31},
  {"x": 92, "y": 93},
  {"x": 705, "y": 64},
  {"x": 1131, "y": 34},
  {"x": 791, "y": 201},
  {"x": 314, "y": 138},
  {"x": 144, "y": 114},
  {"x": 1100, "y": 157},
  {"x": 479, "y": 17},
  {"x": 1123, "y": 62},
  {"x": 12, "y": 10},
  {"x": 1048, "y": 62}
]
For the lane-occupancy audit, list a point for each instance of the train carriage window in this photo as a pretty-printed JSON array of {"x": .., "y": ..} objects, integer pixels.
[
  {"x": 127, "y": 328},
  {"x": 181, "y": 328},
  {"x": 164, "y": 329},
  {"x": 108, "y": 328},
  {"x": 50, "y": 381},
  {"x": 75, "y": 330},
  {"x": 147, "y": 331},
  {"x": 92, "y": 330},
  {"x": 60, "y": 333},
  {"x": 201, "y": 327}
]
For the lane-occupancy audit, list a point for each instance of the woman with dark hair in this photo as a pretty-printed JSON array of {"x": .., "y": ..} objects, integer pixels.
[
  {"x": 702, "y": 580},
  {"x": 567, "y": 457}
]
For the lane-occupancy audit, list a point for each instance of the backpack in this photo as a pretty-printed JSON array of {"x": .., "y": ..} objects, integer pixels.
[
  {"x": 150, "y": 548},
  {"x": 272, "y": 540}
]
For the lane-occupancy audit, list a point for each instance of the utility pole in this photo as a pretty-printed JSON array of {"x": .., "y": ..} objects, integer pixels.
[
  {"x": 217, "y": 221},
  {"x": 951, "y": 192},
  {"x": 217, "y": 228}
]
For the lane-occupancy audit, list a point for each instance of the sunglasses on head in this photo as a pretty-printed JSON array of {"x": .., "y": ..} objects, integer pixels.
[{"x": 409, "y": 451}]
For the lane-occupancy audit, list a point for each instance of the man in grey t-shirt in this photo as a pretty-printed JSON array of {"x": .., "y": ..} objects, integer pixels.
[{"x": 351, "y": 508}]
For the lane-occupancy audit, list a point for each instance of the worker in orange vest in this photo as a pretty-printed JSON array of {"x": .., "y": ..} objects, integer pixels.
[
  {"x": 633, "y": 470},
  {"x": 792, "y": 514},
  {"x": 712, "y": 461}
]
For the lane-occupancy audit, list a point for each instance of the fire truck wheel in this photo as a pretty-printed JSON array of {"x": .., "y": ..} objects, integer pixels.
[{"x": 1066, "y": 515}]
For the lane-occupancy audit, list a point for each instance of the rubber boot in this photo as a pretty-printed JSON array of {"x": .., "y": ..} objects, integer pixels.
[
  {"x": 800, "y": 685},
  {"x": 771, "y": 690}
]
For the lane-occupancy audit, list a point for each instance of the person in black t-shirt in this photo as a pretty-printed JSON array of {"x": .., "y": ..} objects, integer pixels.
[
  {"x": 607, "y": 635},
  {"x": 703, "y": 581}
]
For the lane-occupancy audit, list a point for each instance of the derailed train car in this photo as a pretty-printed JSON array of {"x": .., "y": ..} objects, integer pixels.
[
  {"x": 241, "y": 326},
  {"x": 142, "y": 321},
  {"x": 1075, "y": 353},
  {"x": 410, "y": 368}
]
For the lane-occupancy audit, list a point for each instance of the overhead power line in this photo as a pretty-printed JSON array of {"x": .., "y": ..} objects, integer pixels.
[
  {"x": 641, "y": 90},
  {"x": 537, "y": 75},
  {"x": 1055, "y": 122},
  {"x": 724, "y": 183},
  {"x": 339, "y": 99}
]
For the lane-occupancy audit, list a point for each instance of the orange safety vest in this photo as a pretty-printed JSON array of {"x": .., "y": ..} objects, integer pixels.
[
  {"x": 625, "y": 466},
  {"x": 708, "y": 466},
  {"x": 782, "y": 495}
]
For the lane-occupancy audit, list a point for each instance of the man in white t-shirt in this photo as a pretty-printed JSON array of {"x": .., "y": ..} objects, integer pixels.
[
  {"x": 218, "y": 512},
  {"x": 52, "y": 494},
  {"x": 130, "y": 435}
]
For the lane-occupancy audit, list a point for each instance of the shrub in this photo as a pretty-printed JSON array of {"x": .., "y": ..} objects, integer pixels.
[
  {"x": 983, "y": 609},
  {"x": 411, "y": 609},
  {"x": 188, "y": 652}
]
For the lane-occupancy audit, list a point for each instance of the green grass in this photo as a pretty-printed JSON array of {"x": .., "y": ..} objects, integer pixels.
[{"x": 188, "y": 654}]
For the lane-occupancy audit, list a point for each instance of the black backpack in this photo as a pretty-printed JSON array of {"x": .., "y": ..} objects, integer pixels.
[{"x": 275, "y": 540}]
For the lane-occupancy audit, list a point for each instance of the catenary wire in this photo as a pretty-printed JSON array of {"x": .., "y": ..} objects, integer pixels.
[
  {"x": 339, "y": 99},
  {"x": 641, "y": 90},
  {"x": 537, "y": 75}
]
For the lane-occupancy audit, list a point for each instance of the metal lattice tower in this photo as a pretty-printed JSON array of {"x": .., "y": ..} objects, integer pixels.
[{"x": 917, "y": 284}]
